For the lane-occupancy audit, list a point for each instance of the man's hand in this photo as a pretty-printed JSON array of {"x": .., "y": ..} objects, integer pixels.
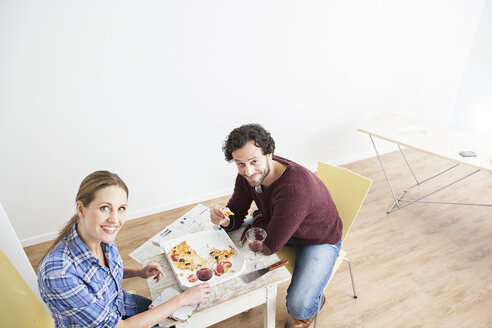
[
  {"x": 217, "y": 217},
  {"x": 266, "y": 250}
]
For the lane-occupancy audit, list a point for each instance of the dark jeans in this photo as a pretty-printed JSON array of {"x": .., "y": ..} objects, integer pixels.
[{"x": 142, "y": 305}]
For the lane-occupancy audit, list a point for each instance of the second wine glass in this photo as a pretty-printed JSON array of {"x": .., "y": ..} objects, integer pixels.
[{"x": 256, "y": 237}]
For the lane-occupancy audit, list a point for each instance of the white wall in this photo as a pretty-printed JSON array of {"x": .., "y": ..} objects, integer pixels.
[
  {"x": 149, "y": 89},
  {"x": 473, "y": 111}
]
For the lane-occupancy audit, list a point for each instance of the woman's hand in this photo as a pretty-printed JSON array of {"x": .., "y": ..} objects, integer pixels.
[
  {"x": 152, "y": 269},
  {"x": 217, "y": 217},
  {"x": 195, "y": 295}
]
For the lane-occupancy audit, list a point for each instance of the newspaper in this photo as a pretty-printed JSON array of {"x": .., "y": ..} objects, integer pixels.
[
  {"x": 182, "y": 313},
  {"x": 197, "y": 219}
]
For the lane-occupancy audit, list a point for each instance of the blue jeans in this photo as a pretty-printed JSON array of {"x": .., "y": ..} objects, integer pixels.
[{"x": 314, "y": 264}]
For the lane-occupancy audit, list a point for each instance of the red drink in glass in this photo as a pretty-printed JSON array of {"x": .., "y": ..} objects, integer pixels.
[
  {"x": 256, "y": 236},
  {"x": 204, "y": 274},
  {"x": 256, "y": 245}
]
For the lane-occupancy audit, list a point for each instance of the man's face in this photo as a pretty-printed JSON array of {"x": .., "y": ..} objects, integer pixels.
[{"x": 252, "y": 164}]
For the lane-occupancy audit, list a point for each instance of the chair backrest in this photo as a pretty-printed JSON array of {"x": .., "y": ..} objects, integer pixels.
[
  {"x": 348, "y": 190},
  {"x": 19, "y": 306},
  {"x": 10, "y": 244}
]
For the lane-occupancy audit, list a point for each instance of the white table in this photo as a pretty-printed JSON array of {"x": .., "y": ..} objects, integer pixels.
[
  {"x": 231, "y": 297},
  {"x": 432, "y": 139}
]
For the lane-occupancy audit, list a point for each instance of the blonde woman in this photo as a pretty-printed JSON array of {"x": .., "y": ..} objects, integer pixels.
[{"x": 80, "y": 276}]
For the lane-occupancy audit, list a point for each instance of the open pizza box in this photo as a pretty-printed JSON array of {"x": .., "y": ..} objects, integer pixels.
[{"x": 203, "y": 242}]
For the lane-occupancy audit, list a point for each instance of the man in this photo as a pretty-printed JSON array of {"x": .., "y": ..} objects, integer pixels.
[{"x": 296, "y": 210}]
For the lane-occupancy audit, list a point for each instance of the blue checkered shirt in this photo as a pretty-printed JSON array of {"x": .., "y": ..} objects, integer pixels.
[{"x": 78, "y": 290}]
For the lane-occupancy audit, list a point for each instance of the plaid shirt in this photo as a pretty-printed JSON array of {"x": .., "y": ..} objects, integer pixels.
[{"x": 78, "y": 290}]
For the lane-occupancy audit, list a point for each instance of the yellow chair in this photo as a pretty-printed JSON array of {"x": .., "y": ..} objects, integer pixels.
[
  {"x": 348, "y": 190},
  {"x": 20, "y": 306}
]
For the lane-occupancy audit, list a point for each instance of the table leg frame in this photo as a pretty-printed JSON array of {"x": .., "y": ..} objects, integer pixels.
[
  {"x": 399, "y": 199},
  {"x": 269, "y": 307},
  {"x": 266, "y": 296},
  {"x": 385, "y": 175}
]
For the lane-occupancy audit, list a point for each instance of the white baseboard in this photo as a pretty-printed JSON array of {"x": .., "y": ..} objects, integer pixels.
[
  {"x": 139, "y": 213},
  {"x": 190, "y": 200},
  {"x": 169, "y": 206},
  {"x": 350, "y": 159},
  {"x": 38, "y": 239},
  {"x": 355, "y": 158}
]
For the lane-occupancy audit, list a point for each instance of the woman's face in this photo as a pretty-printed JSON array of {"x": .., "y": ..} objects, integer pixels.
[{"x": 103, "y": 217}]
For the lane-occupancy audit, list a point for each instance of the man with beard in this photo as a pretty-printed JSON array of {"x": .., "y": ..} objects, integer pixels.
[{"x": 295, "y": 209}]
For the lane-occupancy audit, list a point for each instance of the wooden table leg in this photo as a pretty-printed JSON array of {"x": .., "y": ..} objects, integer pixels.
[{"x": 269, "y": 307}]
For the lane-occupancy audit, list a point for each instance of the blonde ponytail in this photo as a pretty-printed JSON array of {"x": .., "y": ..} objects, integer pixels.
[{"x": 62, "y": 234}]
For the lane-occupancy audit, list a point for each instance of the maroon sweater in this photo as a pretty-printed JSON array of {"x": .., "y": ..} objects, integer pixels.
[{"x": 297, "y": 205}]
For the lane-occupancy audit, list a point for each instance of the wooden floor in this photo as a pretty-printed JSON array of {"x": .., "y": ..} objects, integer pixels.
[{"x": 425, "y": 265}]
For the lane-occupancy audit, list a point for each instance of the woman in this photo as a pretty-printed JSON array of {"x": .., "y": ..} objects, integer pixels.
[{"x": 80, "y": 275}]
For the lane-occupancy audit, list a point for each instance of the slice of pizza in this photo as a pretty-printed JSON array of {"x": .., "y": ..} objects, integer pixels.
[
  {"x": 180, "y": 250},
  {"x": 222, "y": 268},
  {"x": 192, "y": 278},
  {"x": 221, "y": 256},
  {"x": 226, "y": 212},
  {"x": 183, "y": 256},
  {"x": 185, "y": 263}
]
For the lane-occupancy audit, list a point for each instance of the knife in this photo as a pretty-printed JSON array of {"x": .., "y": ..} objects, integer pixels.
[{"x": 253, "y": 275}]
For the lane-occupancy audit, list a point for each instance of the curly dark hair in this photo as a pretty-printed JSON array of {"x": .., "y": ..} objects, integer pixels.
[{"x": 241, "y": 135}]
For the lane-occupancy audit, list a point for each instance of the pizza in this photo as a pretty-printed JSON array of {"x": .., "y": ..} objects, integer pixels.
[
  {"x": 183, "y": 256},
  {"x": 192, "y": 278},
  {"x": 182, "y": 249},
  {"x": 222, "y": 268},
  {"x": 221, "y": 256},
  {"x": 226, "y": 212}
]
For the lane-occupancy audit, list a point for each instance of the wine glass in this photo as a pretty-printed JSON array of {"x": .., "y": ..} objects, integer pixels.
[
  {"x": 204, "y": 267},
  {"x": 206, "y": 271},
  {"x": 256, "y": 236}
]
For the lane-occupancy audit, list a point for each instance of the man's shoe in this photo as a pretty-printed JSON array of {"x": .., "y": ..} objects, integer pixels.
[{"x": 297, "y": 323}]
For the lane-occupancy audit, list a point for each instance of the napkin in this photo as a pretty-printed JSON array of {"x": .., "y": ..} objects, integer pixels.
[{"x": 182, "y": 313}]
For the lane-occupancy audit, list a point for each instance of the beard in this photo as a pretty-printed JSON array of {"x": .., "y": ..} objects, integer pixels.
[{"x": 264, "y": 174}]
